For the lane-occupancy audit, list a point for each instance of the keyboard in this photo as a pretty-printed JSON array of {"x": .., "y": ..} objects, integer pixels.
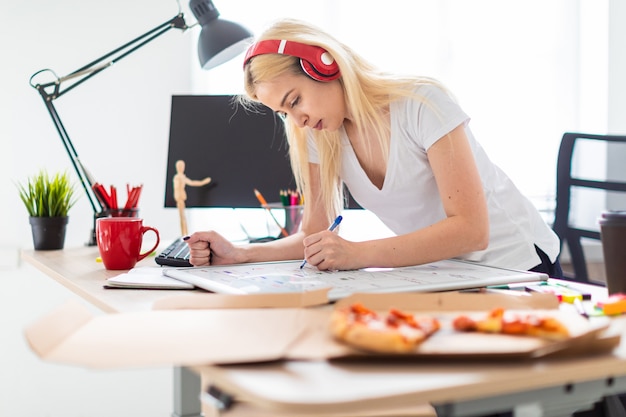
[{"x": 176, "y": 254}]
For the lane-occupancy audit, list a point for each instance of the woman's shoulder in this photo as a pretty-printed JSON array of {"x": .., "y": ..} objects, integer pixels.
[
  {"x": 427, "y": 113},
  {"x": 424, "y": 94},
  {"x": 432, "y": 89}
]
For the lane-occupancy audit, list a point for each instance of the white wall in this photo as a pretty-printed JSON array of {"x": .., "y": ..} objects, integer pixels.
[
  {"x": 617, "y": 98},
  {"x": 119, "y": 122}
]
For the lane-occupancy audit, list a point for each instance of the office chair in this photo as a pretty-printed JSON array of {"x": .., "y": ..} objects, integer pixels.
[{"x": 566, "y": 182}]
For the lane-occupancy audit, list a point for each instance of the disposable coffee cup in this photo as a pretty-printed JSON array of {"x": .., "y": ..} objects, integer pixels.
[{"x": 613, "y": 233}]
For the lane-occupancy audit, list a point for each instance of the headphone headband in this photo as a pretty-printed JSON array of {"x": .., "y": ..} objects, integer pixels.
[{"x": 316, "y": 62}]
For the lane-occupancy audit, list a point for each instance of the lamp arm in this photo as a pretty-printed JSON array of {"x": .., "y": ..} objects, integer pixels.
[
  {"x": 94, "y": 67},
  {"x": 52, "y": 90},
  {"x": 83, "y": 175}
]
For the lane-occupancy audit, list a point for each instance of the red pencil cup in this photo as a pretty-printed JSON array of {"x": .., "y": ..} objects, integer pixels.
[{"x": 121, "y": 212}]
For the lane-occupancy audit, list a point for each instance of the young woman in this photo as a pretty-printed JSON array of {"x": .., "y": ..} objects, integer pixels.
[{"x": 403, "y": 148}]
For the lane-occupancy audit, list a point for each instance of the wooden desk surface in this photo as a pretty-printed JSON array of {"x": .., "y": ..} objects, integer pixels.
[
  {"x": 324, "y": 387},
  {"x": 77, "y": 269}
]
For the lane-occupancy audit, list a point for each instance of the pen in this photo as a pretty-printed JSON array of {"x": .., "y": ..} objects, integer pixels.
[
  {"x": 580, "y": 308},
  {"x": 331, "y": 228},
  {"x": 585, "y": 296},
  {"x": 506, "y": 287}
]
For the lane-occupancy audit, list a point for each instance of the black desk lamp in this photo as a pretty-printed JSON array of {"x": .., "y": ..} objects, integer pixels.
[{"x": 220, "y": 40}]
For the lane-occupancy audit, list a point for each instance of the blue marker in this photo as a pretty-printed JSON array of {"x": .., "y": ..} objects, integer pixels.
[{"x": 331, "y": 228}]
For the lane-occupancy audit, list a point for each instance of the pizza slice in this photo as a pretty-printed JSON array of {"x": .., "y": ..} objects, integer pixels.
[
  {"x": 498, "y": 321},
  {"x": 393, "y": 332}
]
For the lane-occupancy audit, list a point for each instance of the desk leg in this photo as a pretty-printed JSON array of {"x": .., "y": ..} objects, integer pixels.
[
  {"x": 613, "y": 406},
  {"x": 186, "y": 393}
]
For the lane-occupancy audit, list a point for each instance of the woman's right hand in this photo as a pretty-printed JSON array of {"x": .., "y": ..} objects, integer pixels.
[{"x": 211, "y": 248}]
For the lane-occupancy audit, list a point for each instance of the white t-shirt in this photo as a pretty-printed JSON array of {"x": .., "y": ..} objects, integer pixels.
[{"x": 409, "y": 199}]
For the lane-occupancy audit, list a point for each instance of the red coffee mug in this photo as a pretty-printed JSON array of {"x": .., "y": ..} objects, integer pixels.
[{"x": 119, "y": 241}]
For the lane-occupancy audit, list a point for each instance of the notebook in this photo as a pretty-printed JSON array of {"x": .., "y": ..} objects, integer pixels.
[
  {"x": 146, "y": 278},
  {"x": 287, "y": 277}
]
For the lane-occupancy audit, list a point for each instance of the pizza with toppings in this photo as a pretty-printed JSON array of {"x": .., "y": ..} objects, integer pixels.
[
  {"x": 393, "y": 332},
  {"x": 501, "y": 322}
]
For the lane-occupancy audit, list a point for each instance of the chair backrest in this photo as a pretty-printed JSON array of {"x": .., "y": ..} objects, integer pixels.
[{"x": 567, "y": 181}]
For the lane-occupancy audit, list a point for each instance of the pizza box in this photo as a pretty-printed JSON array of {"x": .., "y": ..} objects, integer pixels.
[
  {"x": 585, "y": 336},
  {"x": 249, "y": 332}
]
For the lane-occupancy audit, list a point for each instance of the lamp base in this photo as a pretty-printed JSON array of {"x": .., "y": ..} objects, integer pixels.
[
  {"x": 92, "y": 235},
  {"x": 92, "y": 239}
]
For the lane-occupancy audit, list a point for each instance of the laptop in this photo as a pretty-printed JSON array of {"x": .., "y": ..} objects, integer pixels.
[{"x": 288, "y": 277}]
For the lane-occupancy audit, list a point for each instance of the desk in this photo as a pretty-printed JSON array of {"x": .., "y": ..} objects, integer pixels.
[
  {"x": 547, "y": 387},
  {"x": 539, "y": 388},
  {"x": 78, "y": 270}
]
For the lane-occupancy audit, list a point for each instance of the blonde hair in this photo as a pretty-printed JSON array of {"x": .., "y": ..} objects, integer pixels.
[{"x": 367, "y": 92}]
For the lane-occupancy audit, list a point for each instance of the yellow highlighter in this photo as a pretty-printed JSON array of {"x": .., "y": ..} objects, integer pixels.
[{"x": 564, "y": 294}]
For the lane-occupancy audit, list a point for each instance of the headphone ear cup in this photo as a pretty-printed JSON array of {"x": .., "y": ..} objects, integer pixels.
[
  {"x": 310, "y": 70},
  {"x": 320, "y": 72}
]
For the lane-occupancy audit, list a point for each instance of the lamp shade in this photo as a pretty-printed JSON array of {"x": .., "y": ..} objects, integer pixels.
[{"x": 220, "y": 40}]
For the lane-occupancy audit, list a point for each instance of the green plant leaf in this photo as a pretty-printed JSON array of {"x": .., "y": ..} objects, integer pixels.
[{"x": 46, "y": 196}]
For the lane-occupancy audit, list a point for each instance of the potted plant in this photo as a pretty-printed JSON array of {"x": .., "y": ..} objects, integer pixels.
[{"x": 48, "y": 200}]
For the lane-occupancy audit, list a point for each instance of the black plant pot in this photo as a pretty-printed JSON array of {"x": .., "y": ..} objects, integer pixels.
[{"x": 48, "y": 232}]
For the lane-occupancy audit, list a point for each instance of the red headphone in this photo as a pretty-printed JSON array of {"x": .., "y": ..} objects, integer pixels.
[{"x": 316, "y": 62}]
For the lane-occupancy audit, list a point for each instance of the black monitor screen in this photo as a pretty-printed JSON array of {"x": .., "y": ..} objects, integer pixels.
[{"x": 240, "y": 150}]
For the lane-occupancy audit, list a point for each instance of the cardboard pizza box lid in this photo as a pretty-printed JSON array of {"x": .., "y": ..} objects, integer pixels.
[{"x": 72, "y": 334}]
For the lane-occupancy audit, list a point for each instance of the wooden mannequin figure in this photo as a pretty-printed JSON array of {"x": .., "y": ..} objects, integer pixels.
[{"x": 180, "y": 180}]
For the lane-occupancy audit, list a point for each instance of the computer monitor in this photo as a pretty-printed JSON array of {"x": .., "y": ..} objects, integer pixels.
[{"x": 240, "y": 150}]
